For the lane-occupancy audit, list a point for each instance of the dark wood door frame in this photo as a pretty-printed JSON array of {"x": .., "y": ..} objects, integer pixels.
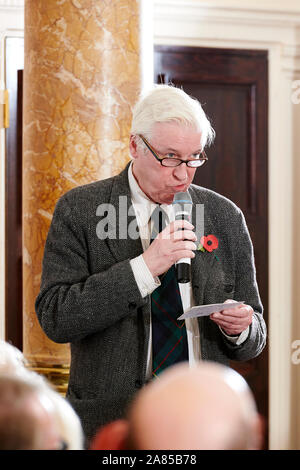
[{"x": 13, "y": 196}]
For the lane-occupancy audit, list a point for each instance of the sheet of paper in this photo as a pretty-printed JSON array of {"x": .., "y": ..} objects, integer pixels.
[{"x": 205, "y": 310}]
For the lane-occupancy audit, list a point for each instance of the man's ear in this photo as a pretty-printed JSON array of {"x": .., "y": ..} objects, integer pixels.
[
  {"x": 133, "y": 146},
  {"x": 111, "y": 436}
]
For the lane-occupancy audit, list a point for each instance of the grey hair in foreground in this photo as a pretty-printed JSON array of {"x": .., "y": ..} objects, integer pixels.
[{"x": 166, "y": 103}]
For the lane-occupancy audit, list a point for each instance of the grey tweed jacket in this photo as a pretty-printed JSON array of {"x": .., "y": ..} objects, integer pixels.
[{"x": 89, "y": 296}]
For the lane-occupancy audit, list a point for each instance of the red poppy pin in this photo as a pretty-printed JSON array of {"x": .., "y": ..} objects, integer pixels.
[{"x": 209, "y": 243}]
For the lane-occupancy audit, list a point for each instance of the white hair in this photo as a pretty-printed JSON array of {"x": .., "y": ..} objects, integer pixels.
[
  {"x": 166, "y": 103},
  {"x": 11, "y": 359}
]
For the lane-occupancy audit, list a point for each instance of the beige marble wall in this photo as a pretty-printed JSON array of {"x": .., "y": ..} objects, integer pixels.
[{"x": 81, "y": 78}]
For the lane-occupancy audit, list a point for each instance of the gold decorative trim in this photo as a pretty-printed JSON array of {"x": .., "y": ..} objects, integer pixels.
[
  {"x": 56, "y": 374},
  {"x": 4, "y": 109}
]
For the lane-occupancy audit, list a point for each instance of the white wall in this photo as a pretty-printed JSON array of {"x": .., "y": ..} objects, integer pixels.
[
  {"x": 11, "y": 24},
  {"x": 273, "y": 25}
]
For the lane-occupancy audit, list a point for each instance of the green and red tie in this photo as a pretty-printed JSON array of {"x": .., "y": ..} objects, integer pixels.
[{"x": 169, "y": 339}]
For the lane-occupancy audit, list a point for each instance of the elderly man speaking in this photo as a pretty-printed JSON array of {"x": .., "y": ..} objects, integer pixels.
[{"x": 109, "y": 283}]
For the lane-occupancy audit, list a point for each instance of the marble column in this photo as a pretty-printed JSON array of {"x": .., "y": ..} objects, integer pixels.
[{"x": 82, "y": 75}]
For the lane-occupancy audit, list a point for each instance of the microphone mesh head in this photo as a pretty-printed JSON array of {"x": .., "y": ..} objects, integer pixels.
[{"x": 182, "y": 204}]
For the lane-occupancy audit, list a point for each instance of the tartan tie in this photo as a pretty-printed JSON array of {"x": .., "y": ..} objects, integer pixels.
[{"x": 169, "y": 339}]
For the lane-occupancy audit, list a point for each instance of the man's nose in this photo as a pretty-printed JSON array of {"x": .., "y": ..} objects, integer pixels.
[{"x": 180, "y": 172}]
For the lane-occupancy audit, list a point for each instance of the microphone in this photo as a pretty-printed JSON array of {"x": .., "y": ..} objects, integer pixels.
[{"x": 182, "y": 205}]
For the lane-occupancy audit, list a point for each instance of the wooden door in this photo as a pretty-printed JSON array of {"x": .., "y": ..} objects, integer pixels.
[{"x": 232, "y": 86}]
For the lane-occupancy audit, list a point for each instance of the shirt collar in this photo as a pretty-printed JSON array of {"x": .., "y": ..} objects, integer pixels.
[{"x": 143, "y": 206}]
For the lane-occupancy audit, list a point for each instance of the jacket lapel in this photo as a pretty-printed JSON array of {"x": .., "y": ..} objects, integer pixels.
[
  {"x": 202, "y": 263},
  {"x": 127, "y": 243}
]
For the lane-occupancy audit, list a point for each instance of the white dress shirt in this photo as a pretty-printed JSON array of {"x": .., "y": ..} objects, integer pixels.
[{"x": 143, "y": 208}]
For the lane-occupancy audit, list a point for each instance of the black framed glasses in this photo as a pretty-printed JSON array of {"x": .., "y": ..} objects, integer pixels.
[{"x": 164, "y": 160}]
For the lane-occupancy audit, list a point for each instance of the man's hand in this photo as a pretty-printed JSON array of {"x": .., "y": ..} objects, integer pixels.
[
  {"x": 170, "y": 245},
  {"x": 233, "y": 320}
]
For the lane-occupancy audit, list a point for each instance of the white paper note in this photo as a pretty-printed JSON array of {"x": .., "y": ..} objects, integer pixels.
[{"x": 205, "y": 310}]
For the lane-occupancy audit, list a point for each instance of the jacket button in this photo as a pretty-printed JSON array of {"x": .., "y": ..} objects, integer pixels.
[
  {"x": 132, "y": 305},
  {"x": 228, "y": 288}
]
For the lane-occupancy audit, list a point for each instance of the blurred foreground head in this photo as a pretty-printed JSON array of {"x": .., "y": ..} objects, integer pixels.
[
  {"x": 27, "y": 417},
  {"x": 13, "y": 364},
  {"x": 205, "y": 407},
  {"x": 208, "y": 406}
]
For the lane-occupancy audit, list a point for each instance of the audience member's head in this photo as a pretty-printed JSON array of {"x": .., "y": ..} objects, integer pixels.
[
  {"x": 12, "y": 363},
  {"x": 69, "y": 422},
  {"x": 208, "y": 406},
  {"x": 27, "y": 417}
]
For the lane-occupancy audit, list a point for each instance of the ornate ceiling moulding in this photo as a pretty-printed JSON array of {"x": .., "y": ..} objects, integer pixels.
[
  {"x": 11, "y": 4},
  {"x": 226, "y": 13},
  {"x": 226, "y": 21}
]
